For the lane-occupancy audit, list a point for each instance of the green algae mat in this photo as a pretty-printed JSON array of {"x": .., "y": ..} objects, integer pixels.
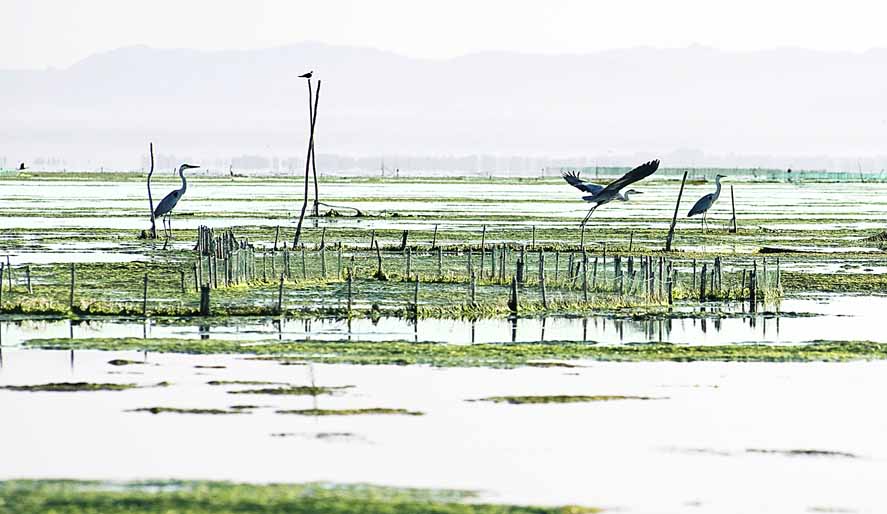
[
  {"x": 167, "y": 497},
  {"x": 496, "y": 355}
]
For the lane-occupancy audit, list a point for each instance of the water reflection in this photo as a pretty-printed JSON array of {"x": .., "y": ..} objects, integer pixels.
[{"x": 851, "y": 321}]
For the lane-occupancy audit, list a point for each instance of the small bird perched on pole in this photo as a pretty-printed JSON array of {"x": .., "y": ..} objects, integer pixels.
[
  {"x": 605, "y": 194},
  {"x": 704, "y": 204},
  {"x": 307, "y": 75}
]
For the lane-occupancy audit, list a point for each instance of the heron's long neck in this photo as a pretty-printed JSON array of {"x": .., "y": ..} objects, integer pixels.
[
  {"x": 718, "y": 187},
  {"x": 184, "y": 183}
]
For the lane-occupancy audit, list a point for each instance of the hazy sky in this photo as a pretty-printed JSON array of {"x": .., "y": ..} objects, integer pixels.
[{"x": 41, "y": 33}]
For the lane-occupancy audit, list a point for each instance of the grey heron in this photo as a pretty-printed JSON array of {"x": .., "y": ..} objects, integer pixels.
[
  {"x": 606, "y": 194},
  {"x": 165, "y": 207},
  {"x": 307, "y": 75},
  {"x": 704, "y": 204}
]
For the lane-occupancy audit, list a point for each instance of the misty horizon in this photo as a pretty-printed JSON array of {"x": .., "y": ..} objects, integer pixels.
[{"x": 777, "y": 108}]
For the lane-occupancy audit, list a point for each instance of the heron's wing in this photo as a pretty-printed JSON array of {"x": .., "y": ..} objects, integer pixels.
[
  {"x": 573, "y": 179},
  {"x": 701, "y": 205},
  {"x": 169, "y": 201},
  {"x": 641, "y": 172}
]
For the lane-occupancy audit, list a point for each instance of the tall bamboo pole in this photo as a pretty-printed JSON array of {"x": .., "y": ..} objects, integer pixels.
[
  {"x": 674, "y": 218},
  {"x": 313, "y": 119},
  {"x": 150, "y": 199}
]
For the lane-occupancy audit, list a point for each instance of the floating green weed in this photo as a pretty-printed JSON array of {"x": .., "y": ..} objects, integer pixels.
[
  {"x": 521, "y": 400},
  {"x": 177, "y": 410},
  {"x": 293, "y": 390},
  {"x": 351, "y": 412},
  {"x": 67, "y": 387},
  {"x": 491, "y": 354}
]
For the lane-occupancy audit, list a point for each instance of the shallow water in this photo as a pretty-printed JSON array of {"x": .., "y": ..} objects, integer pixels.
[
  {"x": 686, "y": 451},
  {"x": 857, "y": 208},
  {"x": 593, "y": 453},
  {"x": 835, "y": 317}
]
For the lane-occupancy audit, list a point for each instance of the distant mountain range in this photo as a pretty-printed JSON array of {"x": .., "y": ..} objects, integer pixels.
[{"x": 695, "y": 104}]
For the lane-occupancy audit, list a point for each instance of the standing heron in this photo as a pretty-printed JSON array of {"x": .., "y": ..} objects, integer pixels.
[
  {"x": 165, "y": 207},
  {"x": 704, "y": 204},
  {"x": 606, "y": 194}
]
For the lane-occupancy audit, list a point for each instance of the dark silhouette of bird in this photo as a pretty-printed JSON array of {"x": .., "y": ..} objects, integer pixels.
[
  {"x": 606, "y": 194},
  {"x": 307, "y": 75},
  {"x": 21, "y": 167},
  {"x": 165, "y": 207},
  {"x": 704, "y": 204}
]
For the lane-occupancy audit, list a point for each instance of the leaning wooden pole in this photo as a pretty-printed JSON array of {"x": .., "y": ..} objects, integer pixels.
[
  {"x": 150, "y": 199},
  {"x": 315, "y": 210},
  {"x": 733, "y": 203},
  {"x": 674, "y": 219},
  {"x": 313, "y": 119}
]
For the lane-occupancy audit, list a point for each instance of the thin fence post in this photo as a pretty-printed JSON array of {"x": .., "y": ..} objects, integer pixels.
[
  {"x": 513, "y": 301},
  {"x": 542, "y": 279},
  {"x": 380, "y": 272},
  {"x": 416, "y": 298},
  {"x": 593, "y": 268},
  {"x": 280, "y": 296},
  {"x": 702, "y": 282},
  {"x": 204, "y": 301},
  {"x": 349, "y": 280},
  {"x": 323, "y": 263},
  {"x": 31, "y": 291},
  {"x": 473, "y": 288},
  {"x": 483, "y": 240},
  {"x": 71, "y": 295},
  {"x": 670, "y": 288},
  {"x": 778, "y": 279},
  {"x": 470, "y": 265},
  {"x": 145, "y": 296},
  {"x": 733, "y": 204}
]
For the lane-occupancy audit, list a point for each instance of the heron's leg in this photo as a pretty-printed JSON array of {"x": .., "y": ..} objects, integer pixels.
[{"x": 588, "y": 216}]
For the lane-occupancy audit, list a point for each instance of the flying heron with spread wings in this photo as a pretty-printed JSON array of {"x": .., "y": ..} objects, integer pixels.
[{"x": 599, "y": 195}]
